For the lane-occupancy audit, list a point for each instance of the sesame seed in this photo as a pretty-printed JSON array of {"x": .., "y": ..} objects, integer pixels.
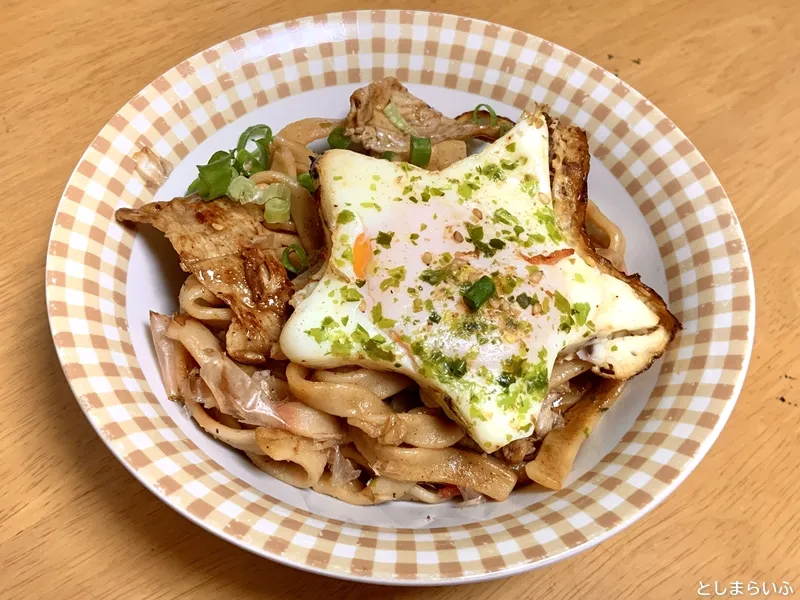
[
  {"x": 458, "y": 237},
  {"x": 477, "y": 213},
  {"x": 427, "y": 258}
]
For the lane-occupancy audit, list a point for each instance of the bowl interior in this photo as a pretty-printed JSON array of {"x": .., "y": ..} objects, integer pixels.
[{"x": 154, "y": 280}]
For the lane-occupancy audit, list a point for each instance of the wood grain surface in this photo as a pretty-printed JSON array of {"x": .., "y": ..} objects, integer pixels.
[{"x": 75, "y": 524}]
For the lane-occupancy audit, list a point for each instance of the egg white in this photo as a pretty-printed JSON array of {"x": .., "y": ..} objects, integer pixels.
[{"x": 504, "y": 186}]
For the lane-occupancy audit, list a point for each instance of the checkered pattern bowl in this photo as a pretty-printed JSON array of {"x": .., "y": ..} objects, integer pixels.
[{"x": 683, "y": 236}]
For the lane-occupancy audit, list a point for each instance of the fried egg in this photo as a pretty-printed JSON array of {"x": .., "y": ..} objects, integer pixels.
[{"x": 462, "y": 280}]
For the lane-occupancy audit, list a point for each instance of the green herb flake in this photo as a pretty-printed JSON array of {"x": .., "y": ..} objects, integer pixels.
[
  {"x": 614, "y": 348},
  {"x": 492, "y": 172},
  {"x": 465, "y": 190},
  {"x": 475, "y": 232},
  {"x": 476, "y": 413},
  {"x": 384, "y": 238},
  {"x": 396, "y": 275},
  {"x": 346, "y": 216},
  {"x": 377, "y": 317},
  {"x": 337, "y": 177},
  {"x": 377, "y": 349},
  {"x": 509, "y": 165},
  {"x": 360, "y": 335},
  {"x": 580, "y": 310},
  {"x": 350, "y": 294},
  {"x": 433, "y": 276},
  {"x": 548, "y": 219},
  {"x": 414, "y": 237},
  {"x": 579, "y": 278},
  {"x": 530, "y": 185},
  {"x": 561, "y": 303},
  {"x": 371, "y": 205},
  {"x": 512, "y": 147},
  {"x": 501, "y": 215}
]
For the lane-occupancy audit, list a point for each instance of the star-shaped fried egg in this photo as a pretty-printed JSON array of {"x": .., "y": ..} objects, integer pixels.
[{"x": 462, "y": 280}]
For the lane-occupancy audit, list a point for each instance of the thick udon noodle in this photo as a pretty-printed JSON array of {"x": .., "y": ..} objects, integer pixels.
[{"x": 360, "y": 435}]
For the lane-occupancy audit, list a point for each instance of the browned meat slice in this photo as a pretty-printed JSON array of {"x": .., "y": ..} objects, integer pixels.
[
  {"x": 569, "y": 173},
  {"x": 214, "y": 242},
  {"x": 368, "y": 124}
]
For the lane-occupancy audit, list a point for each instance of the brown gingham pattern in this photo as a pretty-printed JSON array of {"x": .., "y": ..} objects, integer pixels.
[{"x": 703, "y": 250}]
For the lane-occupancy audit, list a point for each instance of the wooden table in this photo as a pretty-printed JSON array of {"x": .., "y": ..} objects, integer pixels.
[{"x": 75, "y": 524}]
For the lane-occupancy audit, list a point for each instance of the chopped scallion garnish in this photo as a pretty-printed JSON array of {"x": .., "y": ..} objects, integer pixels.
[
  {"x": 298, "y": 251},
  {"x": 307, "y": 182},
  {"x": 337, "y": 139},
  {"x": 277, "y": 203},
  {"x": 393, "y": 114},
  {"x": 215, "y": 177},
  {"x": 245, "y": 191},
  {"x": 476, "y": 114},
  {"x": 478, "y": 293},
  {"x": 253, "y": 161},
  {"x": 420, "y": 151}
]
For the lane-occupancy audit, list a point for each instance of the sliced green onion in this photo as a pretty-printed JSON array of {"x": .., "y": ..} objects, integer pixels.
[
  {"x": 277, "y": 203},
  {"x": 219, "y": 155},
  {"x": 297, "y": 249},
  {"x": 277, "y": 210},
  {"x": 215, "y": 178},
  {"x": 388, "y": 155},
  {"x": 337, "y": 139},
  {"x": 244, "y": 190},
  {"x": 277, "y": 190},
  {"x": 197, "y": 187},
  {"x": 393, "y": 114},
  {"x": 477, "y": 113},
  {"x": 253, "y": 132},
  {"x": 478, "y": 293},
  {"x": 307, "y": 182},
  {"x": 247, "y": 161},
  {"x": 420, "y": 151},
  {"x": 215, "y": 173}
]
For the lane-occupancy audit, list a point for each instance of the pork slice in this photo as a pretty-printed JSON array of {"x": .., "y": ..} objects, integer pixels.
[
  {"x": 214, "y": 242},
  {"x": 367, "y": 124}
]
